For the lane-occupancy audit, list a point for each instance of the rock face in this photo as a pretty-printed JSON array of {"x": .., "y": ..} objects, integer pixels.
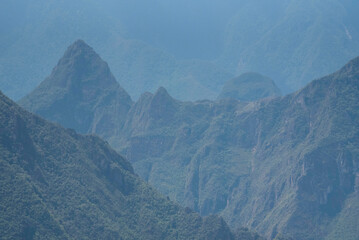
[
  {"x": 286, "y": 166},
  {"x": 81, "y": 93},
  {"x": 249, "y": 87},
  {"x": 56, "y": 184}
]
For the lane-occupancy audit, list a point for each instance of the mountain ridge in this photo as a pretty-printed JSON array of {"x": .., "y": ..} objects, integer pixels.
[
  {"x": 250, "y": 36},
  {"x": 61, "y": 185}
]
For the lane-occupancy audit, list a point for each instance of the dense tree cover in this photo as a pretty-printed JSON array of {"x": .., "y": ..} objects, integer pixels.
[{"x": 56, "y": 184}]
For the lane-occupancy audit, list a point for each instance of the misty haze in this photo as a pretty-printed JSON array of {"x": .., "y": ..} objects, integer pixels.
[{"x": 154, "y": 119}]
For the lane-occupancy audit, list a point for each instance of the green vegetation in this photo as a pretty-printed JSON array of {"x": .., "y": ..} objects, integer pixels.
[{"x": 56, "y": 184}]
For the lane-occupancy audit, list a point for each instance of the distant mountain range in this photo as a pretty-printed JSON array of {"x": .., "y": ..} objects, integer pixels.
[
  {"x": 190, "y": 48},
  {"x": 283, "y": 166}
]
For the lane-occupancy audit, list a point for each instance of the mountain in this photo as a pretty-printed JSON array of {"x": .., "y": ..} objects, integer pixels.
[
  {"x": 249, "y": 87},
  {"x": 190, "y": 48},
  {"x": 292, "y": 42},
  {"x": 140, "y": 67},
  {"x": 44, "y": 29},
  {"x": 81, "y": 93},
  {"x": 286, "y": 166},
  {"x": 57, "y": 184}
]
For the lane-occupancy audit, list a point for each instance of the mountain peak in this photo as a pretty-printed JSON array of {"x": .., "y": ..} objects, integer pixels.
[
  {"x": 79, "y": 45},
  {"x": 351, "y": 67},
  {"x": 81, "y": 66},
  {"x": 79, "y": 48},
  {"x": 161, "y": 91},
  {"x": 162, "y": 104},
  {"x": 79, "y": 85},
  {"x": 161, "y": 96},
  {"x": 250, "y": 86}
]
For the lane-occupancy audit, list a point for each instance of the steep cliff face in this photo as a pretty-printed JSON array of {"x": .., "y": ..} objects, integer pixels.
[
  {"x": 56, "y": 184},
  {"x": 305, "y": 159},
  {"x": 286, "y": 166}
]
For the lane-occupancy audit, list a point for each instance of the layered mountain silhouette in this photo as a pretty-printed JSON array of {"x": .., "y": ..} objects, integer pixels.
[
  {"x": 43, "y": 30},
  {"x": 250, "y": 87},
  {"x": 286, "y": 166},
  {"x": 57, "y": 184},
  {"x": 292, "y": 42}
]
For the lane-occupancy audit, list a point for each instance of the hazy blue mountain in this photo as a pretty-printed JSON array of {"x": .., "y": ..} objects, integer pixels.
[
  {"x": 57, "y": 184},
  {"x": 44, "y": 29},
  {"x": 291, "y": 41},
  {"x": 81, "y": 93},
  {"x": 36, "y": 34},
  {"x": 286, "y": 166},
  {"x": 140, "y": 67},
  {"x": 181, "y": 45},
  {"x": 249, "y": 87}
]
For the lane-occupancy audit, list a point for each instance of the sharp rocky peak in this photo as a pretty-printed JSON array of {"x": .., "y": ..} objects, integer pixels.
[
  {"x": 81, "y": 66},
  {"x": 79, "y": 46},
  {"x": 161, "y": 95},
  {"x": 80, "y": 93},
  {"x": 162, "y": 105}
]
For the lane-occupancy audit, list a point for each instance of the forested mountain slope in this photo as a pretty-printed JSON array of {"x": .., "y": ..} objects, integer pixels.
[{"x": 57, "y": 184}]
